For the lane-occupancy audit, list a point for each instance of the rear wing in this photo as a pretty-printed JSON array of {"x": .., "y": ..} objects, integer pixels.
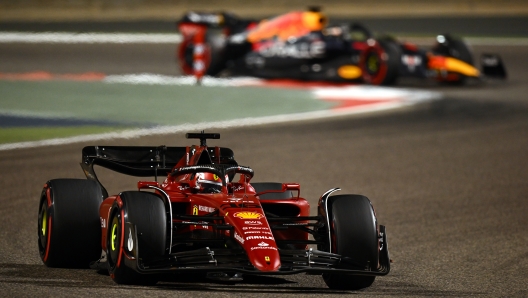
[{"x": 143, "y": 161}]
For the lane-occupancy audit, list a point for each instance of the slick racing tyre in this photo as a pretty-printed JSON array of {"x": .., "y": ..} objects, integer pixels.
[
  {"x": 263, "y": 186},
  {"x": 214, "y": 52},
  {"x": 147, "y": 212},
  {"x": 69, "y": 230},
  {"x": 379, "y": 63},
  {"x": 354, "y": 237}
]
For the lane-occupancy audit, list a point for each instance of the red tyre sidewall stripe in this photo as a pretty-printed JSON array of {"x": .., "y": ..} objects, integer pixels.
[
  {"x": 383, "y": 66},
  {"x": 382, "y": 72},
  {"x": 186, "y": 68},
  {"x": 48, "y": 198},
  {"x": 122, "y": 239},
  {"x": 48, "y": 242}
]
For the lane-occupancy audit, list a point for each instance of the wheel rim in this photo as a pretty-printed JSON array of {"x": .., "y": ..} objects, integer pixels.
[
  {"x": 373, "y": 64},
  {"x": 114, "y": 242},
  {"x": 43, "y": 226},
  {"x": 44, "y": 222},
  {"x": 114, "y": 236}
]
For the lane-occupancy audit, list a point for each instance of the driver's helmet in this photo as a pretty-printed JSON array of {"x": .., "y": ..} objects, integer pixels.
[{"x": 208, "y": 182}]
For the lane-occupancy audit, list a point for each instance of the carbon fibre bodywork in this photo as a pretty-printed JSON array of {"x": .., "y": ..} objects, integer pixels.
[
  {"x": 301, "y": 45},
  {"x": 238, "y": 229},
  {"x": 207, "y": 216}
]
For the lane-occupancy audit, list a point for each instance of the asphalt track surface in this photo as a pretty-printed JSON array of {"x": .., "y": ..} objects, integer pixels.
[{"x": 447, "y": 178}]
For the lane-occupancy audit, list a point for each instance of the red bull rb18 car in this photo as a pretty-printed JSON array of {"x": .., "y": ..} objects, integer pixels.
[
  {"x": 207, "y": 216},
  {"x": 300, "y": 45}
]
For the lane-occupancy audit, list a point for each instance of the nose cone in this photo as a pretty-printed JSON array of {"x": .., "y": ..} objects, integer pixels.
[{"x": 266, "y": 261}]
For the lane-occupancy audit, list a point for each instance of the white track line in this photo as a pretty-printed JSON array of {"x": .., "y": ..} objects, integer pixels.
[
  {"x": 394, "y": 98},
  {"x": 161, "y": 130},
  {"x": 72, "y": 38},
  {"x": 157, "y": 79}
]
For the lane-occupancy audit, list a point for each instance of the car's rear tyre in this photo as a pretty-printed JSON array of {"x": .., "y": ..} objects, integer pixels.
[
  {"x": 214, "y": 53},
  {"x": 379, "y": 63},
  {"x": 69, "y": 230},
  {"x": 263, "y": 186},
  {"x": 147, "y": 212},
  {"x": 354, "y": 236}
]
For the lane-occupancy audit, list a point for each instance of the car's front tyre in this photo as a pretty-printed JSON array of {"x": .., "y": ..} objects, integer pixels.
[
  {"x": 147, "y": 212},
  {"x": 354, "y": 236}
]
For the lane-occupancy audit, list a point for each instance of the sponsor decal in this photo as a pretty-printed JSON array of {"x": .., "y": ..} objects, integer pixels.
[
  {"x": 257, "y": 232},
  {"x": 248, "y": 215},
  {"x": 263, "y": 245},
  {"x": 255, "y": 228},
  {"x": 195, "y": 211},
  {"x": 206, "y": 209},
  {"x": 236, "y": 203},
  {"x": 231, "y": 200},
  {"x": 130, "y": 243},
  {"x": 205, "y": 18},
  {"x": 239, "y": 238},
  {"x": 203, "y": 223},
  {"x": 490, "y": 61},
  {"x": 182, "y": 187},
  {"x": 302, "y": 50},
  {"x": 259, "y": 237},
  {"x": 103, "y": 222},
  {"x": 238, "y": 188},
  {"x": 253, "y": 222},
  {"x": 412, "y": 61}
]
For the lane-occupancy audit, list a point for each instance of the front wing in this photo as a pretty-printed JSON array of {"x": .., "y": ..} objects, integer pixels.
[{"x": 235, "y": 261}]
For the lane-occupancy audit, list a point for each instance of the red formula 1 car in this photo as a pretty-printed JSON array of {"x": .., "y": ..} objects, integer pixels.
[
  {"x": 205, "y": 217},
  {"x": 300, "y": 45}
]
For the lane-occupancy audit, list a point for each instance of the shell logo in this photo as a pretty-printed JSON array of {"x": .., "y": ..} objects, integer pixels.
[{"x": 248, "y": 215}]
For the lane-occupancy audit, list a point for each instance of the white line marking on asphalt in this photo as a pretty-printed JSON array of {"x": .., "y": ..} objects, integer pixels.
[
  {"x": 92, "y": 37},
  {"x": 65, "y": 37},
  {"x": 391, "y": 98},
  {"x": 136, "y": 133},
  {"x": 156, "y": 79}
]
